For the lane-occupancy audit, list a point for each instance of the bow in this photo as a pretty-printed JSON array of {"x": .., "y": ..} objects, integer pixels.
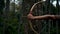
[{"x": 31, "y": 10}]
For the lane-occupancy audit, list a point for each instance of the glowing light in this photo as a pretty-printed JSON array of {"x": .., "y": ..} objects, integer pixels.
[
  {"x": 15, "y": 1},
  {"x": 44, "y": 0},
  {"x": 55, "y": 2}
]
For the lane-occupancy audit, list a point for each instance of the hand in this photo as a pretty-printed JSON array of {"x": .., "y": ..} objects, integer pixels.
[{"x": 30, "y": 16}]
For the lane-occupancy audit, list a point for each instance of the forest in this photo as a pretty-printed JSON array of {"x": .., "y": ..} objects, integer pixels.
[{"x": 14, "y": 20}]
